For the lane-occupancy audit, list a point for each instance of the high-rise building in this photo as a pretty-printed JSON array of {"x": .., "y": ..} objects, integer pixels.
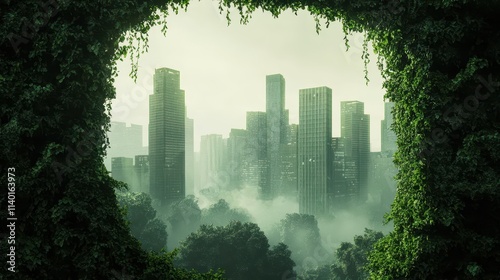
[
  {"x": 255, "y": 165},
  {"x": 387, "y": 134},
  {"x": 189, "y": 167},
  {"x": 141, "y": 167},
  {"x": 355, "y": 129},
  {"x": 289, "y": 163},
  {"x": 315, "y": 150},
  {"x": 236, "y": 145},
  {"x": 345, "y": 176},
  {"x": 382, "y": 187},
  {"x": 277, "y": 121},
  {"x": 167, "y": 138},
  {"x": 122, "y": 169},
  {"x": 197, "y": 173},
  {"x": 212, "y": 155},
  {"x": 125, "y": 141}
]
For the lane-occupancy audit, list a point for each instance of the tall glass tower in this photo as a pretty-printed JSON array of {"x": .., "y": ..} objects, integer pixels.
[
  {"x": 189, "y": 136},
  {"x": 355, "y": 129},
  {"x": 255, "y": 165},
  {"x": 167, "y": 137},
  {"x": 315, "y": 157},
  {"x": 277, "y": 122}
]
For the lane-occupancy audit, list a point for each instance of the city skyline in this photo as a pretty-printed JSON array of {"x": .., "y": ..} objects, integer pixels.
[
  {"x": 270, "y": 153},
  {"x": 224, "y": 69}
]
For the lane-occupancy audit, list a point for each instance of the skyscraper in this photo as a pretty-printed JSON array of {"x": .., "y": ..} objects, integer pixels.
[
  {"x": 277, "y": 121},
  {"x": 125, "y": 141},
  {"x": 189, "y": 167},
  {"x": 167, "y": 137},
  {"x": 236, "y": 145},
  {"x": 212, "y": 156},
  {"x": 141, "y": 167},
  {"x": 314, "y": 150},
  {"x": 387, "y": 134},
  {"x": 355, "y": 129},
  {"x": 122, "y": 169},
  {"x": 345, "y": 175},
  {"x": 289, "y": 167},
  {"x": 255, "y": 165}
]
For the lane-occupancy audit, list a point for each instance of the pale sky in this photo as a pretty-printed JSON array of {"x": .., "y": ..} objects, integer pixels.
[{"x": 223, "y": 68}]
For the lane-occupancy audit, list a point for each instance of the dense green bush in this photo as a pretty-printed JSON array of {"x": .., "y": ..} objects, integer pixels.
[
  {"x": 143, "y": 222},
  {"x": 240, "y": 249}
]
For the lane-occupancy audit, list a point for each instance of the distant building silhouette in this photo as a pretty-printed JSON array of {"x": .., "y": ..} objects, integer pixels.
[
  {"x": 212, "y": 155},
  {"x": 289, "y": 163},
  {"x": 141, "y": 168},
  {"x": 122, "y": 169},
  {"x": 125, "y": 141},
  {"x": 189, "y": 162},
  {"x": 167, "y": 137},
  {"x": 345, "y": 176},
  {"x": 236, "y": 147},
  {"x": 388, "y": 140},
  {"x": 382, "y": 187},
  {"x": 315, "y": 157},
  {"x": 255, "y": 165},
  {"x": 277, "y": 122},
  {"x": 355, "y": 129}
]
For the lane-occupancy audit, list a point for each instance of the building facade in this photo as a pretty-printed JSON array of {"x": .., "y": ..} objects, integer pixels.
[
  {"x": 122, "y": 169},
  {"x": 141, "y": 168},
  {"x": 388, "y": 140},
  {"x": 236, "y": 146},
  {"x": 125, "y": 141},
  {"x": 255, "y": 164},
  {"x": 277, "y": 121},
  {"x": 167, "y": 137},
  {"x": 315, "y": 150},
  {"x": 212, "y": 158},
  {"x": 189, "y": 161},
  {"x": 289, "y": 163},
  {"x": 355, "y": 129},
  {"x": 345, "y": 176}
]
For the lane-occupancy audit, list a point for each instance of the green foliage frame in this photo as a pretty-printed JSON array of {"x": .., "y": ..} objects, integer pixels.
[{"x": 440, "y": 60}]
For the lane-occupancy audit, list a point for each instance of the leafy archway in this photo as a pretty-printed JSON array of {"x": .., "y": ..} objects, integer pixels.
[{"x": 441, "y": 63}]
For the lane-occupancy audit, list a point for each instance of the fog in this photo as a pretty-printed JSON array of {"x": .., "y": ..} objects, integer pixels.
[{"x": 245, "y": 206}]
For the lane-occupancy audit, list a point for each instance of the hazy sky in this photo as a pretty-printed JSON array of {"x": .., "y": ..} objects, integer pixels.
[{"x": 223, "y": 68}]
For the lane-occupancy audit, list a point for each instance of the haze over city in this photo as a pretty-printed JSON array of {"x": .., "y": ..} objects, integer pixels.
[
  {"x": 223, "y": 69},
  {"x": 248, "y": 158}
]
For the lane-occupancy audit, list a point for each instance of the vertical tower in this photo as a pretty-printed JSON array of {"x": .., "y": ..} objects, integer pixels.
[
  {"x": 167, "y": 137},
  {"x": 387, "y": 134},
  {"x": 126, "y": 141},
  {"x": 345, "y": 175},
  {"x": 141, "y": 168},
  {"x": 289, "y": 167},
  {"x": 211, "y": 160},
  {"x": 189, "y": 167},
  {"x": 255, "y": 169},
  {"x": 122, "y": 169},
  {"x": 236, "y": 145},
  {"x": 355, "y": 129},
  {"x": 277, "y": 121},
  {"x": 314, "y": 150}
]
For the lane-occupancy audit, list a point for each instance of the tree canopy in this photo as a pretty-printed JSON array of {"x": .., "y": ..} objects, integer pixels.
[
  {"x": 144, "y": 225},
  {"x": 240, "y": 249}
]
